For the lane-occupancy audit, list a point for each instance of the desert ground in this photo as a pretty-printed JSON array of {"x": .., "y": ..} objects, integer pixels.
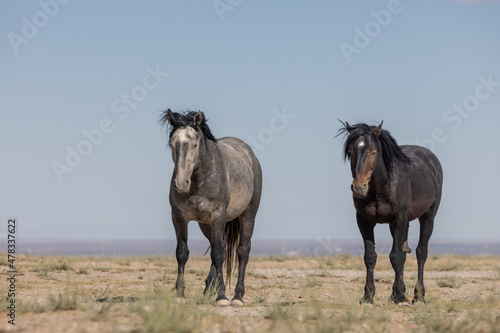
[{"x": 283, "y": 294}]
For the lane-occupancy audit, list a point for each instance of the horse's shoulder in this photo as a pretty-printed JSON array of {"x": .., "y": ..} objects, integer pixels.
[
  {"x": 234, "y": 147},
  {"x": 417, "y": 152},
  {"x": 421, "y": 156},
  {"x": 231, "y": 141}
]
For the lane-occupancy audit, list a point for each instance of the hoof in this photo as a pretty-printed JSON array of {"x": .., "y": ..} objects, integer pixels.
[
  {"x": 179, "y": 300},
  {"x": 223, "y": 303},
  {"x": 366, "y": 300},
  {"x": 418, "y": 301},
  {"x": 366, "y": 303},
  {"x": 398, "y": 300},
  {"x": 402, "y": 301},
  {"x": 237, "y": 303},
  {"x": 403, "y": 304}
]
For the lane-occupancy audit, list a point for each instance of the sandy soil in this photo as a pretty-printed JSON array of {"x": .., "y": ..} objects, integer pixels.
[{"x": 59, "y": 294}]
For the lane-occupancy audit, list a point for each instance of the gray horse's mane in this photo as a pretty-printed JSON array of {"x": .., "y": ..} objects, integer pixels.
[{"x": 186, "y": 118}]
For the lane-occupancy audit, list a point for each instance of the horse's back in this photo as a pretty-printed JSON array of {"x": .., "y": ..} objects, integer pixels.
[
  {"x": 424, "y": 158},
  {"x": 426, "y": 179},
  {"x": 234, "y": 148},
  {"x": 244, "y": 173}
]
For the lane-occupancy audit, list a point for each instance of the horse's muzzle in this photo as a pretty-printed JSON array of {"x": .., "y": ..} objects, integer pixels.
[
  {"x": 359, "y": 191},
  {"x": 182, "y": 186}
]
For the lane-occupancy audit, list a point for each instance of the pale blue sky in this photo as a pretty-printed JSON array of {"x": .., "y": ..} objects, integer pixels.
[{"x": 69, "y": 68}]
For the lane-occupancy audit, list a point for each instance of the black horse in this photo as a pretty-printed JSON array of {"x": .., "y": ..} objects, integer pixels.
[
  {"x": 392, "y": 184},
  {"x": 217, "y": 183}
]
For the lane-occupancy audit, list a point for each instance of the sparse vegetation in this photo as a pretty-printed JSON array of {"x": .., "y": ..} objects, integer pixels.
[
  {"x": 311, "y": 283},
  {"x": 3, "y": 261},
  {"x": 134, "y": 294},
  {"x": 83, "y": 270},
  {"x": 161, "y": 313},
  {"x": 63, "y": 266},
  {"x": 276, "y": 258},
  {"x": 58, "y": 302},
  {"x": 449, "y": 282},
  {"x": 282, "y": 316},
  {"x": 101, "y": 269}
]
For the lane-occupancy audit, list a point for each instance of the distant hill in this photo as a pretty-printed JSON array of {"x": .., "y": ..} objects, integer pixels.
[{"x": 259, "y": 247}]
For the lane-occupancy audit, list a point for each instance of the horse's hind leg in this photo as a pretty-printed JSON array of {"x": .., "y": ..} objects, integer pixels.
[
  {"x": 406, "y": 247},
  {"x": 426, "y": 227},
  {"x": 398, "y": 258},
  {"x": 247, "y": 221},
  {"x": 217, "y": 228},
  {"x": 210, "y": 286}
]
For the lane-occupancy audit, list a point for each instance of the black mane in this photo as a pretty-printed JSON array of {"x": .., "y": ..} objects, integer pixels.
[
  {"x": 391, "y": 151},
  {"x": 182, "y": 119}
]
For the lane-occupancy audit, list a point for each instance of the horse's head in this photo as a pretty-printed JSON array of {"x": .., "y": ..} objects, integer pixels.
[
  {"x": 362, "y": 148},
  {"x": 186, "y": 137}
]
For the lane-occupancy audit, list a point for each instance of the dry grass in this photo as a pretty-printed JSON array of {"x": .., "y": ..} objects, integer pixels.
[{"x": 60, "y": 294}]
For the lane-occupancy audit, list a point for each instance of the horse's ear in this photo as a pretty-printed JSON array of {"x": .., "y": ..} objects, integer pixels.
[
  {"x": 348, "y": 127},
  {"x": 169, "y": 116},
  {"x": 198, "y": 118},
  {"x": 378, "y": 129}
]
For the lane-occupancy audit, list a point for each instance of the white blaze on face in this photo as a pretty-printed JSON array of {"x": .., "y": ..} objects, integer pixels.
[
  {"x": 184, "y": 134},
  {"x": 184, "y": 144},
  {"x": 361, "y": 144}
]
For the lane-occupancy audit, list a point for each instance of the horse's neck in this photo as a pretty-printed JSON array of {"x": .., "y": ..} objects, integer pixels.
[
  {"x": 380, "y": 177},
  {"x": 207, "y": 153}
]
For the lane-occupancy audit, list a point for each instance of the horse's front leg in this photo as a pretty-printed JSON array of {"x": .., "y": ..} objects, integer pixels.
[
  {"x": 210, "y": 280},
  {"x": 182, "y": 251},
  {"x": 370, "y": 257},
  {"x": 217, "y": 255},
  {"x": 398, "y": 259}
]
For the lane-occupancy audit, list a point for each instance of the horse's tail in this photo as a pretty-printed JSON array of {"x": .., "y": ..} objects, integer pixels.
[{"x": 232, "y": 236}]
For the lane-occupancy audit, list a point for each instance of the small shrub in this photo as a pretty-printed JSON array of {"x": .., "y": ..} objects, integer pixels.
[
  {"x": 83, "y": 270},
  {"x": 450, "y": 282}
]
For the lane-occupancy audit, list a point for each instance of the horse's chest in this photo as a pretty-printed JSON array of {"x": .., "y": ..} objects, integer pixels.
[
  {"x": 196, "y": 207},
  {"x": 375, "y": 208}
]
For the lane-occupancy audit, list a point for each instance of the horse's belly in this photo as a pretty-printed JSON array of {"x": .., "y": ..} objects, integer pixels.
[
  {"x": 424, "y": 194},
  {"x": 418, "y": 208},
  {"x": 241, "y": 195},
  {"x": 238, "y": 157}
]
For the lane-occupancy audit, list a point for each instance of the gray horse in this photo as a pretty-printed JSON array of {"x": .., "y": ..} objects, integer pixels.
[{"x": 217, "y": 183}]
